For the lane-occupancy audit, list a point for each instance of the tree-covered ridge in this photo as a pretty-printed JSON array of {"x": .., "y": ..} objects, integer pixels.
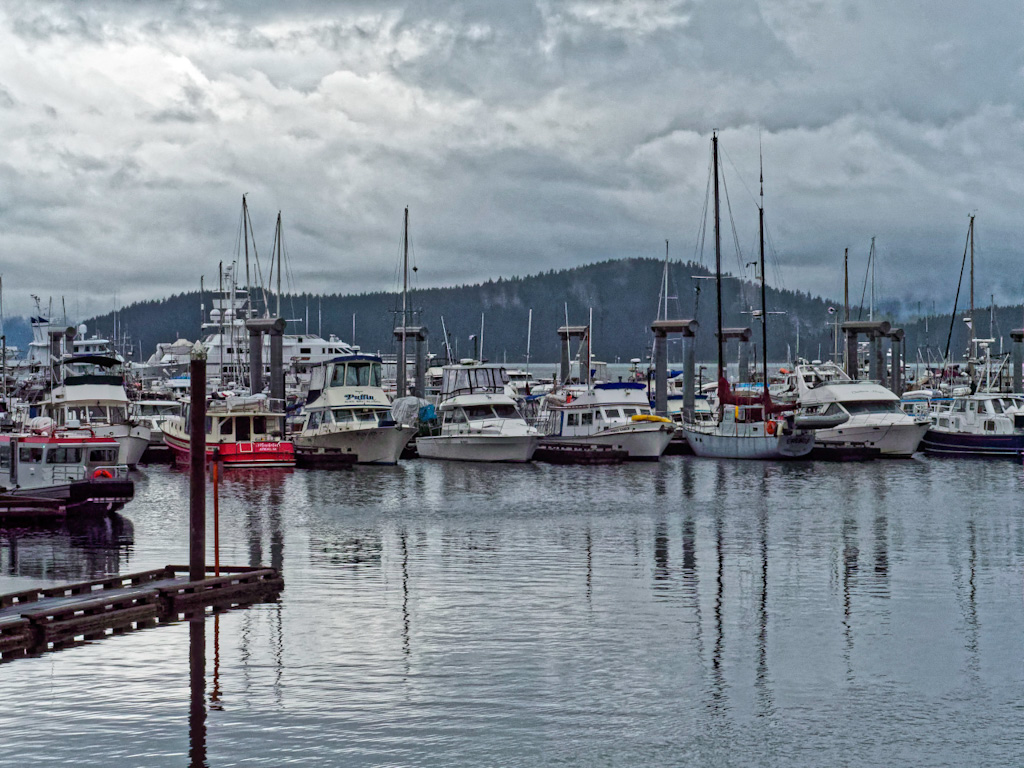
[{"x": 623, "y": 295}]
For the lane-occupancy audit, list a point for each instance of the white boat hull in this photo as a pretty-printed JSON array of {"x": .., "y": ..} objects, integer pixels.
[
  {"x": 718, "y": 444},
  {"x": 893, "y": 440},
  {"x": 469, "y": 447},
  {"x": 641, "y": 444},
  {"x": 132, "y": 441},
  {"x": 381, "y": 445}
]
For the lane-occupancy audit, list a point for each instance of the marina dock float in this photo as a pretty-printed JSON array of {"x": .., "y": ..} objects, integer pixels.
[
  {"x": 554, "y": 453},
  {"x": 37, "y": 620}
]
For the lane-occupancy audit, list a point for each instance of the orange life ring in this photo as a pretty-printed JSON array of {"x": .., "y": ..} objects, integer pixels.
[
  {"x": 769, "y": 427},
  {"x": 103, "y": 474}
]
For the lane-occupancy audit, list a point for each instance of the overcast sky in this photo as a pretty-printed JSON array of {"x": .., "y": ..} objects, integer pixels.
[{"x": 523, "y": 136}]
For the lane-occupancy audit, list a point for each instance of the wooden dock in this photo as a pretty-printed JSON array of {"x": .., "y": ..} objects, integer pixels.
[{"x": 37, "y": 620}]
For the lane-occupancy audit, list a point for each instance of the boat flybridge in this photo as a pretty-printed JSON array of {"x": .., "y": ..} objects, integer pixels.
[
  {"x": 479, "y": 421},
  {"x": 347, "y": 413},
  {"x": 875, "y": 418}
]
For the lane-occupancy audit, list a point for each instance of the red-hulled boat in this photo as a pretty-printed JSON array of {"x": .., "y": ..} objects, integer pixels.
[{"x": 246, "y": 431}]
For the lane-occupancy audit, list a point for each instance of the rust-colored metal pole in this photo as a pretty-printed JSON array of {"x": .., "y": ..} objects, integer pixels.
[
  {"x": 197, "y": 465},
  {"x": 216, "y": 512}
]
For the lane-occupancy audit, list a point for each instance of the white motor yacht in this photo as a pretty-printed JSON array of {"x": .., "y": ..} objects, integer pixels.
[
  {"x": 348, "y": 414},
  {"x": 875, "y": 417},
  {"x": 479, "y": 422},
  {"x": 616, "y": 415},
  {"x": 91, "y": 396}
]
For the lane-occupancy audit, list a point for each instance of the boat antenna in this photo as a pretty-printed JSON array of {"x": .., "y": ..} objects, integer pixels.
[
  {"x": 529, "y": 330},
  {"x": 447, "y": 343}
]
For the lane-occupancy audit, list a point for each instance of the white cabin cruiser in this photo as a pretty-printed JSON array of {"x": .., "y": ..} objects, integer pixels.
[
  {"x": 875, "y": 417},
  {"x": 347, "y": 413},
  {"x": 479, "y": 422},
  {"x": 91, "y": 396},
  {"x": 616, "y": 415}
]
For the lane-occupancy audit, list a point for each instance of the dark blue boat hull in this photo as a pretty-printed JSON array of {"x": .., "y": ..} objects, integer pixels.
[{"x": 960, "y": 444}]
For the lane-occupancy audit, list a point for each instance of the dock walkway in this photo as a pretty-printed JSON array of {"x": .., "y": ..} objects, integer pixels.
[{"x": 37, "y": 620}]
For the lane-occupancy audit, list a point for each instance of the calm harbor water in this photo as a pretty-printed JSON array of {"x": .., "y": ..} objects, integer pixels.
[{"x": 689, "y": 612}]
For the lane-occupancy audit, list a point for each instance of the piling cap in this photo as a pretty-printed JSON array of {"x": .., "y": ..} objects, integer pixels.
[{"x": 198, "y": 351}]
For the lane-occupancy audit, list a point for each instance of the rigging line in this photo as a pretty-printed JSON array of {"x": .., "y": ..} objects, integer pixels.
[
  {"x": 702, "y": 228},
  {"x": 259, "y": 267},
  {"x": 736, "y": 242},
  {"x": 956, "y": 301},
  {"x": 863, "y": 292},
  {"x": 740, "y": 177}
]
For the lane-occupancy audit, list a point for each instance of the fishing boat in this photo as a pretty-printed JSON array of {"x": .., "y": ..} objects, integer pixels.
[
  {"x": 747, "y": 426},
  {"x": 348, "y": 415},
  {"x": 978, "y": 425},
  {"x": 153, "y": 412},
  {"x": 245, "y": 431},
  {"x": 614, "y": 415},
  {"x": 62, "y": 470},
  {"x": 478, "y": 420},
  {"x": 91, "y": 395},
  {"x": 874, "y": 417}
]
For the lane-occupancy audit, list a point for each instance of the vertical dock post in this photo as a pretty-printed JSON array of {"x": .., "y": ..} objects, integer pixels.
[
  {"x": 744, "y": 362},
  {"x": 197, "y": 465},
  {"x": 661, "y": 330},
  {"x": 421, "y": 361},
  {"x": 1017, "y": 359},
  {"x": 277, "y": 367},
  {"x": 255, "y": 360},
  {"x": 896, "y": 381}
]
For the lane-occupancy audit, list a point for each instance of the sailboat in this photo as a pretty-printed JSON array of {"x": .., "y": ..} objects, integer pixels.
[{"x": 746, "y": 426}]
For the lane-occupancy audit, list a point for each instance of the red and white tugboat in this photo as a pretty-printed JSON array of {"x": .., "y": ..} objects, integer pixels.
[{"x": 245, "y": 430}]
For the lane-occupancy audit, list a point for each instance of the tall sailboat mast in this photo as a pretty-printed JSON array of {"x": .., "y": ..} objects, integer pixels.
[
  {"x": 279, "y": 268},
  {"x": 970, "y": 325},
  {"x": 718, "y": 259},
  {"x": 402, "y": 377},
  {"x": 764, "y": 302}
]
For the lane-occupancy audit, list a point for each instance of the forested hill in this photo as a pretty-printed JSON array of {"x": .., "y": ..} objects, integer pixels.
[{"x": 623, "y": 295}]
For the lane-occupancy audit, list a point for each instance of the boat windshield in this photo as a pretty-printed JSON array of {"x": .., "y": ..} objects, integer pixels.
[
  {"x": 358, "y": 374},
  {"x": 871, "y": 406},
  {"x": 498, "y": 410}
]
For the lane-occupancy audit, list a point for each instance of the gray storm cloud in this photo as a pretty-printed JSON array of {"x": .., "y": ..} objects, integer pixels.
[{"x": 523, "y": 137}]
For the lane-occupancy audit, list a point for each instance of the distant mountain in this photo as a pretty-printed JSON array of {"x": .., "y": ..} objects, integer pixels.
[{"x": 622, "y": 294}]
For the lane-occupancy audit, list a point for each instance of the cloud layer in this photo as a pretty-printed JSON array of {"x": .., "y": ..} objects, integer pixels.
[{"x": 523, "y": 137}]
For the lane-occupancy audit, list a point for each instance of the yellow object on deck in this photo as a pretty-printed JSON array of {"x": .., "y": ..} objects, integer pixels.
[{"x": 650, "y": 417}]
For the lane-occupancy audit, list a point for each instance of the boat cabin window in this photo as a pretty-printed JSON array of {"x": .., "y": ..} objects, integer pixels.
[
  {"x": 5, "y": 456},
  {"x": 259, "y": 425},
  {"x": 314, "y": 420},
  {"x": 64, "y": 456},
  {"x": 365, "y": 414},
  {"x": 456, "y": 416},
  {"x": 103, "y": 456},
  {"x": 628, "y": 412},
  {"x": 478, "y": 412},
  {"x": 118, "y": 415},
  {"x": 611, "y": 413},
  {"x": 871, "y": 406},
  {"x": 474, "y": 380},
  {"x": 973, "y": 407},
  {"x": 30, "y": 454},
  {"x": 505, "y": 411},
  {"x": 243, "y": 429},
  {"x": 960, "y": 406},
  {"x": 226, "y": 425},
  {"x": 572, "y": 420},
  {"x": 96, "y": 413},
  {"x": 994, "y": 406},
  {"x": 342, "y": 415},
  {"x": 833, "y": 410},
  {"x": 586, "y": 418}
]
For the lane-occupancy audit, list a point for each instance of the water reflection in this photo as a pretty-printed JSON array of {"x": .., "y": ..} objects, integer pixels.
[{"x": 76, "y": 549}]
